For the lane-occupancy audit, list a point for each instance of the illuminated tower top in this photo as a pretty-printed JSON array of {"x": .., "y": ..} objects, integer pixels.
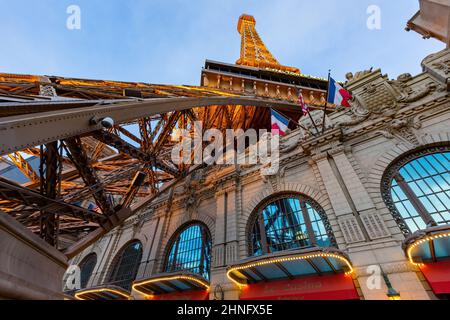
[{"x": 253, "y": 50}]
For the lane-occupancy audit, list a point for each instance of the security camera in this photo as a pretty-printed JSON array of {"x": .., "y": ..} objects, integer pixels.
[{"x": 107, "y": 122}]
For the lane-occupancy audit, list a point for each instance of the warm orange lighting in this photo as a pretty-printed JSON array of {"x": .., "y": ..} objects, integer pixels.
[
  {"x": 277, "y": 260},
  {"x": 421, "y": 241},
  {"x": 180, "y": 277},
  {"x": 254, "y": 52},
  {"x": 78, "y": 295}
]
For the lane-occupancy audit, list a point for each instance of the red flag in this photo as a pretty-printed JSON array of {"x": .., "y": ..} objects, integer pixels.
[{"x": 302, "y": 103}]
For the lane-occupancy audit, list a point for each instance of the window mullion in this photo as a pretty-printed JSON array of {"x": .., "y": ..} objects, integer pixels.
[
  {"x": 203, "y": 249},
  {"x": 417, "y": 204},
  {"x": 309, "y": 227},
  {"x": 175, "y": 255},
  {"x": 262, "y": 228}
]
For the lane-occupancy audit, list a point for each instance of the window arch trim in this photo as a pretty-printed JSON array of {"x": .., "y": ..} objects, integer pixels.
[
  {"x": 117, "y": 263},
  {"x": 393, "y": 173},
  {"x": 83, "y": 263},
  {"x": 257, "y": 212},
  {"x": 206, "y": 245}
]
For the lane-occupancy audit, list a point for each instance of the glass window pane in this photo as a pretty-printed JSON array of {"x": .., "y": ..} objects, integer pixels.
[
  {"x": 126, "y": 265},
  {"x": 86, "y": 269},
  {"x": 428, "y": 177},
  {"x": 286, "y": 226},
  {"x": 191, "y": 251}
]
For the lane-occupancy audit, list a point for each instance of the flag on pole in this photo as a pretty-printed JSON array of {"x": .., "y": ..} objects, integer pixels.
[
  {"x": 338, "y": 95},
  {"x": 93, "y": 207},
  {"x": 301, "y": 102},
  {"x": 279, "y": 123}
]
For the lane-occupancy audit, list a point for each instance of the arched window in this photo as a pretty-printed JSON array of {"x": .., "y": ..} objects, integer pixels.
[
  {"x": 190, "y": 250},
  {"x": 417, "y": 189},
  {"x": 288, "y": 222},
  {"x": 126, "y": 265},
  {"x": 87, "y": 266}
]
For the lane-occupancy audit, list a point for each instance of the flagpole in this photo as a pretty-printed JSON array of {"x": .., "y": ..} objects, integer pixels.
[
  {"x": 312, "y": 120},
  {"x": 300, "y": 93},
  {"x": 326, "y": 102},
  {"x": 295, "y": 122}
]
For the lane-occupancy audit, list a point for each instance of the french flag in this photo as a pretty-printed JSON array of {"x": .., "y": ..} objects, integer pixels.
[
  {"x": 279, "y": 124},
  {"x": 338, "y": 95}
]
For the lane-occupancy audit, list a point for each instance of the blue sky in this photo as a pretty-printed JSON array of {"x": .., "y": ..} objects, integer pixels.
[{"x": 167, "y": 41}]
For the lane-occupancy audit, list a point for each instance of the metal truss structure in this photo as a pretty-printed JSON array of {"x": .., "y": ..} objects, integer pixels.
[
  {"x": 105, "y": 146},
  {"x": 91, "y": 175}
]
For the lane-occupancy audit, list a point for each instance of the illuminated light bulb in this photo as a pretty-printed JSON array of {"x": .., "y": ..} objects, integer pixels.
[{"x": 79, "y": 295}]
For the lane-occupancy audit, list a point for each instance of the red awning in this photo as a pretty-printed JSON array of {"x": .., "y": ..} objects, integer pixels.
[
  {"x": 438, "y": 276},
  {"x": 186, "y": 295},
  {"x": 327, "y": 287}
]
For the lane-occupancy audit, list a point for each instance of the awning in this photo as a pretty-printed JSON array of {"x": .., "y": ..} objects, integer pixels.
[
  {"x": 290, "y": 265},
  {"x": 103, "y": 293},
  {"x": 428, "y": 246},
  {"x": 430, "y": 250},
  {"x": 438, "y": 276},
  {"x": 328, "y": 287},
  {"x": 174, "y": 286}
]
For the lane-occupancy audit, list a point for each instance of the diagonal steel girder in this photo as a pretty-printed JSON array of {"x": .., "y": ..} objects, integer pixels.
[
  {"x": 124, "y": 147},
  {"x": 50, "y": 177},
  {"x": 87, "y": 173},
  {"x": 31, "y": 198},
  {"x": 30, "y": 130}
]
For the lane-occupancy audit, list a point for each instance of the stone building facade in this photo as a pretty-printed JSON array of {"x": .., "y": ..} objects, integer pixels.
[{"x": 345, "y": 170}]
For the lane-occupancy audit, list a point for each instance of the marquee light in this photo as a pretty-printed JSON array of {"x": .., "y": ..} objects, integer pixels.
[
  {"x": 180, "y": 277},
  {"x": 78, "y": 295},
  {"x": 278, "y": 260},
  {"x": 421, "y": 241},
  {"x": 200, "y": 89}
]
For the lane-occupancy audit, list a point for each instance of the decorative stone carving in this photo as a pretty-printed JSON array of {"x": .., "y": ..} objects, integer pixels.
[
  {"x": 374, "y": 96},
  {"x": 403, "y": 130},
  {"x": 140, "y": 219},
  {"x": 443, "y": 66},
  {"x": 438, "y": 65},
  {"x": 408, "y": 94},
  {"x": 358, "y": 75},
  {"x": 290, "y": 144},
  {"x": 375, "y": 226},
  {"x": 314, "y": 124},
  {"x": 275, "y": 179},
  {"x": 192, "y": 184},
  {"x": 351, "y": 230}
]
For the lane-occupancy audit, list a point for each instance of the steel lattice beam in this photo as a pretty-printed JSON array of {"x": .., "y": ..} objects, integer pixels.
[
  {"x": 23, "y": 166},
  {"x": 87, "y": 173},
  {"x": 124, "y": 147},
  {"x": 133, "y": 189},
  {"x": 33, "y": 199},
  {"x": 25, "y": 131},
  {"x": 49, "y": 170}
]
